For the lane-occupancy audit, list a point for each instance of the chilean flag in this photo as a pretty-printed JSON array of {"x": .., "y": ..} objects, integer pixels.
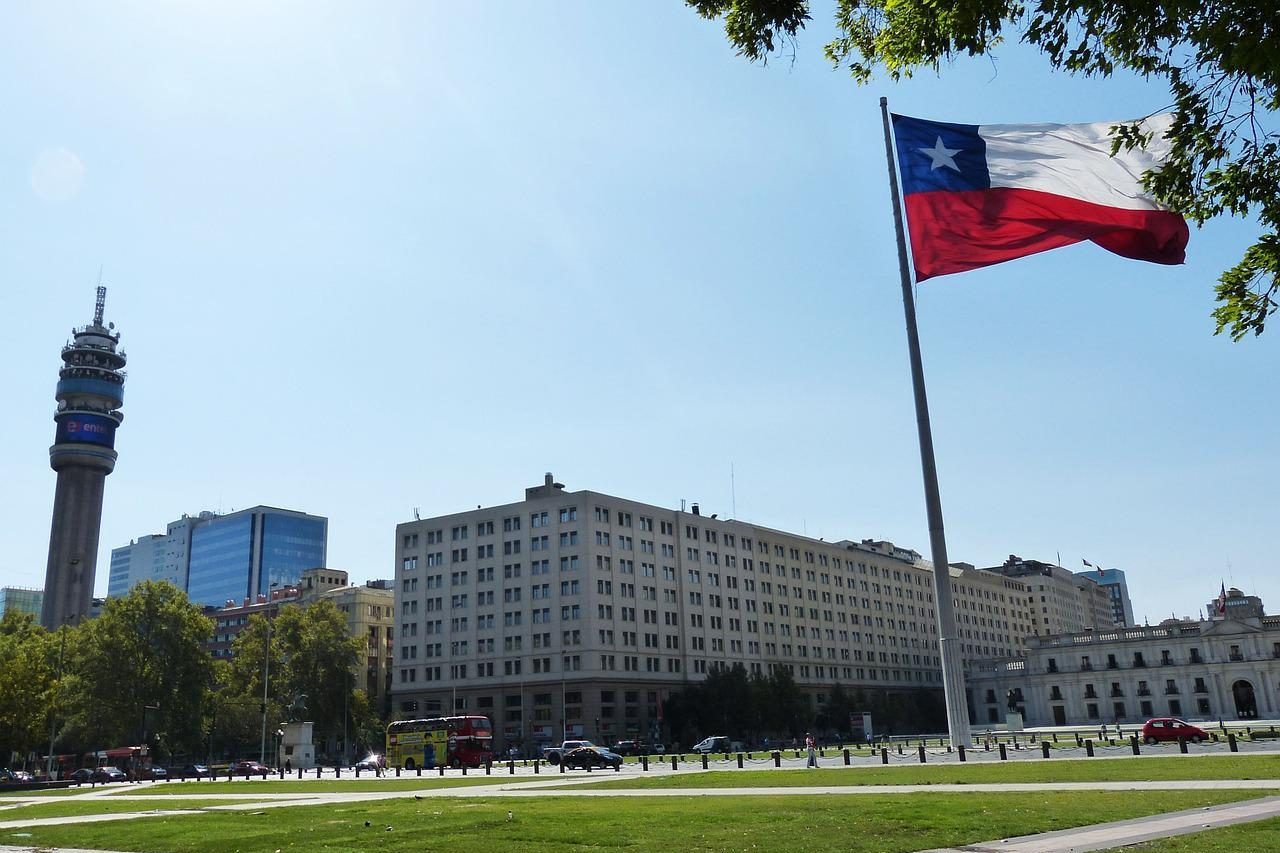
[{"x": 980, "y": 194}]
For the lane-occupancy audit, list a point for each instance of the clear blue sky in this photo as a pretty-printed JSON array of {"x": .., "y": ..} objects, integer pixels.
[{"x": 370, "y": 259}]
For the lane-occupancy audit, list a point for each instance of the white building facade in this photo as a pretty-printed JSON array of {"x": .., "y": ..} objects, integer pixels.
[{"x": 1224, "y": 668}]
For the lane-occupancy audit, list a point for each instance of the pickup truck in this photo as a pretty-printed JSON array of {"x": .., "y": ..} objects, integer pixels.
[{"x": 552, "y": 754}]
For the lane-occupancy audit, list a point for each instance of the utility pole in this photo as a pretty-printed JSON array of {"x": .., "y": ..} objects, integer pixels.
[
  {"x": 266, "y": 675},
  {"x": 53, "y": 709}
]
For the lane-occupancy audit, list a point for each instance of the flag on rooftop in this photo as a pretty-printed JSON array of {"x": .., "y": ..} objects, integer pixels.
[{"x": 978, "y": 195}]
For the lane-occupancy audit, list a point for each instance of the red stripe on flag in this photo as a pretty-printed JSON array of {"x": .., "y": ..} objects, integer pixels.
[{"x": 956, "y": 231}]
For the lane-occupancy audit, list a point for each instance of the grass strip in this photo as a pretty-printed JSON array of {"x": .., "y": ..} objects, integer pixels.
[
  {"x": 321, "y": 786},
  {"x": 827, "y": 824},
  {"x": 1171, "y": 768},
  {"x": 76, "y": 808}
]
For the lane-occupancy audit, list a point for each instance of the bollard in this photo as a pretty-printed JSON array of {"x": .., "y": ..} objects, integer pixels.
[
  {"x": 960, "y": 749},
  {"x": 1055, "y": 737},
  {"x": 1078, "y": 744},
  {"x": 899, "y": 749},
  {"x": 357, "y": 772},
  {"x": 1015, "y": 741},
  {"x": 1004, "y": 755},
  {"x": 617, "y": 768},
  {"x": 922, "y": 753},
  {"x": 739, "y": 760},
  {"x": 674, "y": 766},
  {"x": 511, "y": 768},
  {"x": 536, "y": 763},
  {"x": 1044, "y": 749},
  {"x": 337, "y": 772},
  {"x": 419, "y": 771},
  {"x": 986, "y": 745},
  {"x": 317, "y": 772},
  {"x": 777, "y": 758},
  {"x": 1182, "y": 745},
  {"x": 441, "y": 769},
  {"x": 464, "y": 770},
  {"x": 948, "y": 747},
  {"x": 282, "y": 773},
  {"x": 562, "y": 764},
  {"x": 397, "y": 771},
  {"x": 846, "y": 758},
  {"x": 488, "y": 767},
  {"x": 644, "y": 763},
  {"x": 884, "y": 755},
  {"x": 1231, "y": 742},
  {"x": 299, "y": 774},
  {"x": 704, "y": 761},
  {"x": 1133, "y": 743}
]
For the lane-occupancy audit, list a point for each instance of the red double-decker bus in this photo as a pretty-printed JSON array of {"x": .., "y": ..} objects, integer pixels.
[{"x": 451, "y": 741}]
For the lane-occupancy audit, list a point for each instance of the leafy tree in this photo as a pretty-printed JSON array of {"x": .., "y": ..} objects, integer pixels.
[
  {"x": 141, "y": 672},
  {"x": 1220, "y": 58},
  {"x": 28, "y": 675},
  {"x": 312, "y": 658}
]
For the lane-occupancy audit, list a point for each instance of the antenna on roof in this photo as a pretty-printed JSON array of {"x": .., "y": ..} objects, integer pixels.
[{"x": 101, "y": 303}]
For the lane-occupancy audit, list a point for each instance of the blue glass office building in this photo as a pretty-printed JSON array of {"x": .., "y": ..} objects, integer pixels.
[{"x": 221, "y": 558}]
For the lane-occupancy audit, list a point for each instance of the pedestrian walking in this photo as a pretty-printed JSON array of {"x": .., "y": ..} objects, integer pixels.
[{"x": 812, "y": 747}]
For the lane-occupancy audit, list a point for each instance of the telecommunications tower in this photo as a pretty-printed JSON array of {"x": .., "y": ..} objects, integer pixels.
[{"x": 90, "y": 394}]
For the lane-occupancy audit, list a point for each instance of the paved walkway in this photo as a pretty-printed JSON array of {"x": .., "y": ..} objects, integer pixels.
[
  {"x": 1077, "y": 840},
  {"x": 1105, "y": 836}
]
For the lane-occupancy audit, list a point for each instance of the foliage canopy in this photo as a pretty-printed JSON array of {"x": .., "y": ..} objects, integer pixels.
[{"x": 1220, "y": 58}]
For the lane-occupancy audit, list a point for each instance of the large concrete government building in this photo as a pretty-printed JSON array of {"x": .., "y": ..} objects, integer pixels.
[{"x": 578, "y": 612}]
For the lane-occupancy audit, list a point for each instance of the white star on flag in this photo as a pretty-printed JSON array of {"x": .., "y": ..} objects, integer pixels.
[{"x": 941, "y": 155}]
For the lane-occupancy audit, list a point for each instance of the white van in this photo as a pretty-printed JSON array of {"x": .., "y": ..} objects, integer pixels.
[{"x": 719, "y": 743}]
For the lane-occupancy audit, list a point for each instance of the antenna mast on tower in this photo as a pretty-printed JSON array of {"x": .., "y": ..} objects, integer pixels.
[{"x": 101, "y": 304}]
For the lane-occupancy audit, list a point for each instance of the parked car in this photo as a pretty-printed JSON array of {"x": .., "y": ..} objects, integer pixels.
[
  {"x": 373, "y": 761},
  {"x": 590, "y": 756},
  {"x": 84, "y": 774},
  {"x": 628, "y": 747},
  {"x": 253, "y": 768},
  {"x": 713, "y": 744},
  {"x": 197, "y": 770},
  {"x": 109, "y": 774},
  {"x": 156, "y": 774},
  {"x": 1160, "y": 729}
]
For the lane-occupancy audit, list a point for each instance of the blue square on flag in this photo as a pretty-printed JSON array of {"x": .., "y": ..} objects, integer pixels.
[{"x": 935, "y": 155}]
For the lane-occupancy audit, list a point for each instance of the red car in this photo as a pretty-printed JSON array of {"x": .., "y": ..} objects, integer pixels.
[
  {"x": 1171, "y": 729},
  {"x": 253, "y": 768}
]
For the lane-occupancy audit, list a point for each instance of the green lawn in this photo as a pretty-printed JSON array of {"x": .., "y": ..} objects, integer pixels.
[
  {"x": 1261, "y": 836},
  {"x": 320, "y": 786},
  {"x": 1252, "y": 767},
  {"x": 888, "y": 824}
]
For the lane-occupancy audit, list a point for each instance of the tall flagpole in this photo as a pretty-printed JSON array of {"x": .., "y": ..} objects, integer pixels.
[{"x": 948, "y": 636}]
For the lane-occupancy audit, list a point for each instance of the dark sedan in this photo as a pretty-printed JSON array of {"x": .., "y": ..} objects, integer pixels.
[
  {"x": 109, "y": 774},
  {"x": 591, "y": 756}
]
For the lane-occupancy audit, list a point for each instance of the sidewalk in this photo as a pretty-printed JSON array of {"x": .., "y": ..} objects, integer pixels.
[{"x": 1105, "y": 836}]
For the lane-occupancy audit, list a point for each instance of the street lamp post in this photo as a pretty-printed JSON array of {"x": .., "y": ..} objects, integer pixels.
[
  {"x": 53, "y": 709},
  {"x": 266, "y": 675}
]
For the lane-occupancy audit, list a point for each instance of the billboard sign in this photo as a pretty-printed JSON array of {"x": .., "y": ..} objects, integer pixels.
[{"x": 83, "y": 428}]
